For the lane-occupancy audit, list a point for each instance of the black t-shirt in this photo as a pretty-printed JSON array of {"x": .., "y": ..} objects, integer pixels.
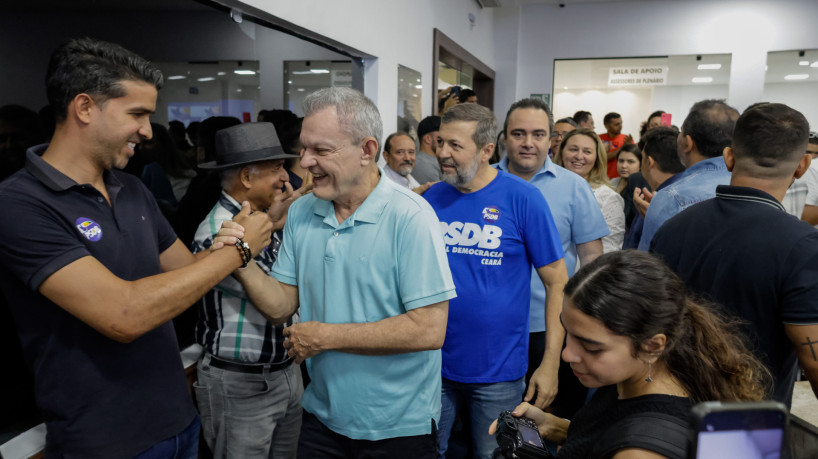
[
  {"x": 604, "y": 411},
  {"x": 100, "y": 398},
  {"x": 743, "y": 251}
]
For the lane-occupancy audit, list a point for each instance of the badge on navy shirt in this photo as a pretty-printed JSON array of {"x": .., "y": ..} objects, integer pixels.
[{"x": 89, "y": 228}]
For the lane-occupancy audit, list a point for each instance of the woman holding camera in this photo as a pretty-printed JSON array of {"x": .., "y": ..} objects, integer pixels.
[{"x": 653, "y": 352}]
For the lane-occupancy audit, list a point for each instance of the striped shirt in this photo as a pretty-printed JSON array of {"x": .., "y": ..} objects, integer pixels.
[{"x": 229, "y": 326}]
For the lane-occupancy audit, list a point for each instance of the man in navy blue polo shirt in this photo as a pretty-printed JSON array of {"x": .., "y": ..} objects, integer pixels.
[
  {"x": 743, "y": 251},
  {"x": 94, "y": 273}
]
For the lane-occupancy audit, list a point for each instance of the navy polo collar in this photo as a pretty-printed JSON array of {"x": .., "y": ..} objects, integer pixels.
[
  {"x": 743, "y": 193},
  {"x": 55, "y": 180}
]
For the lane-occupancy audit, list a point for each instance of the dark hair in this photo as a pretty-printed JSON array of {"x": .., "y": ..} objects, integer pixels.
[
  {"x": 288, "y": 128},
  {"x": 581, "y": 116},
  {"x": 94, "y": 67},
  {"x": 643, "y": 128},
  {"x": 207, "y": 134},
  {"x": 771, "y": 136},
  {"x": 162, "y": 150},
  {"x": 660, "y": 144},
  {"x": 610, "y": 116},
  {"x": 536, "y": 104},
  {"x": 387, "y": 144},
  {"x": 566, "y": 121},
  {"x": 710, "y": 124},
  {"x": 633, "y": 149},
  {"x": 637, "y": 296},
  {"x": 465, "y": 93},
  {"x": 486, "y": 127}
]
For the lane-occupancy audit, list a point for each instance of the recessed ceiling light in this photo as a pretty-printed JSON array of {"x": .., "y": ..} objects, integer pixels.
[
  {"x": 300, "y": 89},
  {"x": 418, "y": 86},
  {"x": 814, "y": 64},
  {"x": 803, "y": 63},
  {"x": 702, "y": 79},
  {"x": 221, "y": 73},
  {"x": 319, "y": 70},
  {"x": 289, "y": 81},
  {"x": 301, "y": 72},
  {"x": 206, "y": 79},
  {"x": 565, "y": 87},
  {"x": 709, "y": 66},
  {"x": 176, "y": 77},
  {"x": 798, "y": 76},
  {"x": 244, "y": 72}
]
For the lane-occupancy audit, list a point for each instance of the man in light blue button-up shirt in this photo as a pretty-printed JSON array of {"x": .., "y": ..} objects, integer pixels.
[{"x": 706, "y": 132}]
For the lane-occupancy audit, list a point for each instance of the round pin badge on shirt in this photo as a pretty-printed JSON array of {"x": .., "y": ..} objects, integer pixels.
[{"x": 89, "y": 228}]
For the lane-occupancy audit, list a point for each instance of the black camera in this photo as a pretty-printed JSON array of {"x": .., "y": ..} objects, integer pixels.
[{"x": 519, "y": 438}]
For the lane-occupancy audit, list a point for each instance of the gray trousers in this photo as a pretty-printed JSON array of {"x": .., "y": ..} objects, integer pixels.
[{"x": 249, "y": 415}]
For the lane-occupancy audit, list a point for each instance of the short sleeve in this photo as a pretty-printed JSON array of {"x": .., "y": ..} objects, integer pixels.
[
  {"x": 542, "y": 240},
  {"x": 284, "y": 269},
  {"x": 423, "y": 267},
  {"x": 799, "y": 305},
  {"x": 35, "y": 243}
]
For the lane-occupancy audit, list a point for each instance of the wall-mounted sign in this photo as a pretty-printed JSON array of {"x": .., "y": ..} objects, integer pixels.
[{"x": 637, "y": 76}]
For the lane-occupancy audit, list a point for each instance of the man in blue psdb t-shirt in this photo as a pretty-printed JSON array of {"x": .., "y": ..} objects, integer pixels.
[{"x": 496, "y": 227}]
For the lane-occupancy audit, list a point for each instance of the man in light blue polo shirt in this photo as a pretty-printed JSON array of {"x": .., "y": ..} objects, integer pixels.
[
  {"x": 365, "y": 260},
  {"x": 579, "y": 221}
]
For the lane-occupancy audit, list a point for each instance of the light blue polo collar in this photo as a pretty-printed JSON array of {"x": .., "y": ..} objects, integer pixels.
[{"x": 368, "y": 212}]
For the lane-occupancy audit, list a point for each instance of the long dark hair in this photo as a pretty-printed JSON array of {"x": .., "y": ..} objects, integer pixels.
[{"x": 635, "y": 295}]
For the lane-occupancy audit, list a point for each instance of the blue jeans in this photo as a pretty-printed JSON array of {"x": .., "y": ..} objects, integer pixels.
[
  {"x": 184, "y": 445},
  {"x": 483, "y": 403},
  {"x": 249, "y": 415}
]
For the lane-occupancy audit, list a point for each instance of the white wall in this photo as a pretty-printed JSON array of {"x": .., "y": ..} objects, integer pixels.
[
  {"x": 746, "y": 29},
  {"x": 802, "y": 96},
  {"x": 158, "y": 36},
  {"x": 394, "y": 32}
]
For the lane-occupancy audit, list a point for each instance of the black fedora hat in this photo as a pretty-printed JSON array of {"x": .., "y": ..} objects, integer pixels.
[{"x": 246, "y": 144}]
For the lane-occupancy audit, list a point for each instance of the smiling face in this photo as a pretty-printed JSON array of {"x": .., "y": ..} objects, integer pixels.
[
  {"x": 527, "y": 140},
  {"x": 264, "y": 180},
  {"x": 597, "y": 356},
  {"x": 400, "y": 156},
  {"x": 579, "y": 155},
  {"x": 120, "y": 123},
  {"x": 626, "y": 164},
  {"x": 457, "y": 154},
  {"x": 337, "y": 164}
]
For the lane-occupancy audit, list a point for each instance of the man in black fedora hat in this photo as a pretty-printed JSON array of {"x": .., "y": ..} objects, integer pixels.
[
  {"x": 94, "y": 273},
  {"x": 244, "y": 352}
]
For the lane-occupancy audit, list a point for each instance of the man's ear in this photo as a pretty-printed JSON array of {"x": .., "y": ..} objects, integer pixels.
[
  {"x": 803, "y": 165},
  {"x": 487, "y": 151},
  {"x": 245, "y": 177},
  {"x": 729, "y": 158},
  {"x": 369, "y": 150},
  {"x": 688, "y": 144},
  {"x": 82, "y": 106}
]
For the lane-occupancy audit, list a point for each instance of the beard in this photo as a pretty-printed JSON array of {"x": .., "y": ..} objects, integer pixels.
[
  {"x": 462, "y": 174},
  {"x": 405, "y": 169}
]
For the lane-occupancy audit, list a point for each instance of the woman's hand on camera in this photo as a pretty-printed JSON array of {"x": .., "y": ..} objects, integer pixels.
[{"x": 549, "y": 426}]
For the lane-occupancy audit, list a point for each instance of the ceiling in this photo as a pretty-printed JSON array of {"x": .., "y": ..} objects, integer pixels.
[{"x": 103, "y": 5}]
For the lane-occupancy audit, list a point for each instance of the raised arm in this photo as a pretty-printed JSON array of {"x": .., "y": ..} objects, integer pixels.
[{"x": 124, "y": 310}]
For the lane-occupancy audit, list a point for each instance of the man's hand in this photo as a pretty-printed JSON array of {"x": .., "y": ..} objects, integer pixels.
[
  {"x": 422, "y": 189},
  {"x": 641, "y": 200},
  {"x": 544, "y": 384},
  {"x": 256, "y": 228},
  {"x": 283, "y": 199},
  {"x": 304, "y": 340}
]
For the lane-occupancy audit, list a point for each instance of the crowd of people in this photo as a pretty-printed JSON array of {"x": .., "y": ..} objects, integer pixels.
[{"x": 351, "y": 309}]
